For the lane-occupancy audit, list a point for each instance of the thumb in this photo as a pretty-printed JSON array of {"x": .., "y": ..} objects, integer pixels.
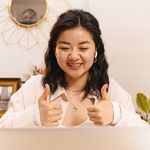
[
  {"x": 47, "y": 93},
  {"x": 104, "y": 92}
]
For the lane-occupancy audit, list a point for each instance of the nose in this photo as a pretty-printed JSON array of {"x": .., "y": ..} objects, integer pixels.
[{"x": 74, "y": 55}]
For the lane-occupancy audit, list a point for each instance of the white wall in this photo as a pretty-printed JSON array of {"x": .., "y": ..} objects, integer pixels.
[
  {"x": 15, "y": 61},
  {"x": 125, "y": 26}
]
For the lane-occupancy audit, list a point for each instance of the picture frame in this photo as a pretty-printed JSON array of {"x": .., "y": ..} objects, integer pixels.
[{"x": 8, "y": 86}]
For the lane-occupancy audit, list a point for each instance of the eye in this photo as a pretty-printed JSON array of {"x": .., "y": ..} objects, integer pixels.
[
  {"x": 83, "y": 49},
  {"x": 64, "y": 48}
]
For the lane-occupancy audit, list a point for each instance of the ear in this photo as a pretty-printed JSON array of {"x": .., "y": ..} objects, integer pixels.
[
  {"x": 95, "y": 54},
  {"x": 95, "y": 57}
]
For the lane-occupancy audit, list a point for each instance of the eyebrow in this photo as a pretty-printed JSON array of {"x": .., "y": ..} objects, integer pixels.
[
  {"x": 63, "y": 42},
  {"x": 84, "y": 42},
  {"x": 80, "y": 43}
]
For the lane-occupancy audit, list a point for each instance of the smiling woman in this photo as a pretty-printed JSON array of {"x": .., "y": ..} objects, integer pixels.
[
  {"x": 75, "y": 52},
  {"x": 76, "y": 89}
]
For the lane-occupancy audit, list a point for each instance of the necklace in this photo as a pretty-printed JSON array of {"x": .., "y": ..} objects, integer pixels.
[
  {"x": 75, "y": 109},
  {"x": 74, "y": 93}
]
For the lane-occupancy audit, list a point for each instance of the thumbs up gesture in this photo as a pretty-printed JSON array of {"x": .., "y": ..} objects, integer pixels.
[
  {"x": 50, "y": 113},
  {"x": 102, "y": 112}
]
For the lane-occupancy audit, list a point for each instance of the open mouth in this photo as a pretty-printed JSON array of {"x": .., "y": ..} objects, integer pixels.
[{"x": 74, "y": 66}]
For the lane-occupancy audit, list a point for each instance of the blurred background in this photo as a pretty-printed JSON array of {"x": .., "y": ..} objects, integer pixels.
[{"x": 125, "y": 26}]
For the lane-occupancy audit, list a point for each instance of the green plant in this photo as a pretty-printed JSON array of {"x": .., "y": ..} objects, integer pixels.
[{"x": 143, "y": 104}]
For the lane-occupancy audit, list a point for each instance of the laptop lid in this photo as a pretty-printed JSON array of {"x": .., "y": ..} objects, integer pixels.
[{"x": 98, "y": 138}]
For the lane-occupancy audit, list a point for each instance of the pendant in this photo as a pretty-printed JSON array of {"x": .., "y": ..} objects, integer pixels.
[{"x": 75, "y": 109}]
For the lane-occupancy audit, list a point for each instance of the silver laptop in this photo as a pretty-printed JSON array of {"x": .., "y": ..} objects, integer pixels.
[{"x": 98, "y": 138}]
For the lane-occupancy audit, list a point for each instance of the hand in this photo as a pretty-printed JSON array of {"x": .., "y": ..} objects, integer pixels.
[
  {"x": 50, "y": 113},
  {"x": 102, "y": 112}
]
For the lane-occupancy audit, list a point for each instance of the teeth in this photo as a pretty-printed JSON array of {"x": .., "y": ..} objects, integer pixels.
[{"x": 75, "y": 65}]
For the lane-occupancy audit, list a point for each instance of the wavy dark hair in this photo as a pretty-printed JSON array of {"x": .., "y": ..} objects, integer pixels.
[{"x": 98, "y": 75}]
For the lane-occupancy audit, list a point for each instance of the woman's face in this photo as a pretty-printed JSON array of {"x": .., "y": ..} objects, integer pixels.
[{"x": 75, "y": 52}]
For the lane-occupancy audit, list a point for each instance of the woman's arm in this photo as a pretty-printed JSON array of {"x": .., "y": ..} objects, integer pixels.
[
  {"x": 128, "y": 116},
  {"x": 23, "y": 108}
]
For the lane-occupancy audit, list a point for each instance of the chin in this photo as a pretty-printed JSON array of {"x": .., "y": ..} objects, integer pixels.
[{"x": 74, "y": 75}]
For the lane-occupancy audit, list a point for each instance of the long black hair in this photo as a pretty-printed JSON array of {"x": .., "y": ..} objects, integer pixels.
[{"x": 98, "y": 75}]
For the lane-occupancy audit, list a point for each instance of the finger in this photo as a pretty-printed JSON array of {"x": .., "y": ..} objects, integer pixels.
[
  {"x": 54, "y": 124},
  {"x": 98, "y": 123},
  {"x": 47, "y": 93},
  {"x": 94, "y": 115},
  {"x": 52, "y": 106},
  {"x": 55, "y": 112},
  {"x": 56, "y": 106},
  {"x": 95, "y": 119},
  {"x": 55, "y": 118},
  {"x": 104, "y": 92},
  {"x": 91, "y": 109},
  {"x": 91, "y": 114},
  {"x": 50, "y": 124}
]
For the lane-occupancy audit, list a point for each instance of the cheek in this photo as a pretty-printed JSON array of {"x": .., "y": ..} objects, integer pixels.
[
  {"x": 89, "y": 57},
  {"x": 61, "y": 58},
  {"x": 89, "y": 60}
]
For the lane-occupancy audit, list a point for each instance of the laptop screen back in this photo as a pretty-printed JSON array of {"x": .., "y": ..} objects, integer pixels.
[{"x": 98, "y": 138}]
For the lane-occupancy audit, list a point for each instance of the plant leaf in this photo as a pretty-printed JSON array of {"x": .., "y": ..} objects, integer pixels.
[
  {"x": 149, "y": 104},
  {"x": 143, "y": 102}
]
